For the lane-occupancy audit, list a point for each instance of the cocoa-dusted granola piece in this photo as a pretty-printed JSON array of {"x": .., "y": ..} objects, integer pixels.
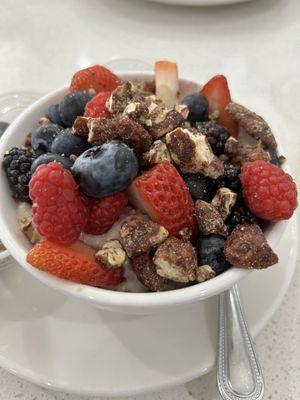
[
  {"x": 241, "y": 153},
  {"x": 145, "y": 271},
  {"x": 162, "y": 120},
  {"x": 139, "y": 234},
  {"x": 192, "y": 153},
  {"x": 111, "y": 254},
  {"x": 157, "y": 153},
  {"x": 209, "y": 219},
  {"x": 253, "y": 124},
  {"x": 133, "y": 134},
  {"x": 223, "y": 201},
  {"x": 204, "y": 273},
  {"x": 119, "y": 98},
  {"x": 101, "y": 130},
  {"x": 246, "y": 247},
  {"x": 176, "y": 259},
  {"x": 80, "y": 126}
]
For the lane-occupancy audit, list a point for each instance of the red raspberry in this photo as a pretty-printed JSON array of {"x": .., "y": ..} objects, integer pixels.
[
  {"x": 59, "y": 210},
  {"x": 103, "y": 213},
  {"x": 96, "y": 108},
  {"x": 96, "y": 77},
  {"x": 269, "y": 192},
  {"x": 163, "y": 195},
  {"x": 75, "y": 262}
]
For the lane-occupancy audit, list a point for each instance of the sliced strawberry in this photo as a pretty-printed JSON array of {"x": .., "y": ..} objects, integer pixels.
[
  {"x": 96, "y": 77},
  {"x": 217, "y": 94},
  {"x": 166, "y": 82},
  {"x": 96, "y": 107},
  {"x": 163, "y": 195},
  {"x": 75, "y": 263}
]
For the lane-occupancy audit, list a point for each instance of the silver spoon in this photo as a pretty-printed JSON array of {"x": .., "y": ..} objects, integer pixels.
[{"x": 239, "y": 375}]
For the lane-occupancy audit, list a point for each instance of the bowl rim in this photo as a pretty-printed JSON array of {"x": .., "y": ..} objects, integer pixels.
[{"x": 107, "y": 297}]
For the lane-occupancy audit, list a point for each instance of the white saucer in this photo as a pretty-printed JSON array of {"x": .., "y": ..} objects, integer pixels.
[
  {"x": 65, "y": 344},
  {"x": 199, "y": 2}
]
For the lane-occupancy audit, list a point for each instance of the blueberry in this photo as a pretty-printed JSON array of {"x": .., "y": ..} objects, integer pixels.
[
  {"x": 197, "y": 105},
  {"x": 104, "y": 170},
  {"x": 210, "y": 252},
  {"x": 53, "y": 115},
  {"x": 49, "y": 157},
  {"x": 200, "y": 187},
  {"x": 72, "y": 106},
  {"x": 67, "y": 144},
  {"x": 43, "y": 137}
]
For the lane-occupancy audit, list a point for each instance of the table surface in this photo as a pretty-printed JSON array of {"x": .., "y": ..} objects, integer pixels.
[{"x": 255, "y": 44}]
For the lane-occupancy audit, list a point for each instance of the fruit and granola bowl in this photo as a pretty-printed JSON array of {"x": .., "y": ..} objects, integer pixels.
[{"x": 142, "y": 192}]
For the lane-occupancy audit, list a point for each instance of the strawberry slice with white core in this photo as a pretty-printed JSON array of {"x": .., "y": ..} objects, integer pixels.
[{"x": 167, "y": 82}]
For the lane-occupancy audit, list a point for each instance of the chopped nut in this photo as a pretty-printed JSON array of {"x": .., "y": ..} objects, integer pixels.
[
  {"x": 137, "y": 111},
  {"x": 139, "y": 234},
  {"x": 246, "y": 247},
  {"x": 162, "y": 121},
  {"x": 183, "y": 110},
  {"x": 204, "y": 273},
  {"x": 129, "y": 131},
  {"x": 111, "y": 254},
  {"x": 80, "y": 126},
  {"x": 119, "y": 98},
  {"x": 25, "y": 220},
  {"x": 223, "y": 201},
  {"x": 176, "y": 260},
  {"x": 253, "y": 124},
  {"x": 241, "y": 153},
  {"x": 185, "y": 233},
  {"x": 145, "y": 271},
  {"x": 192, "y": 152},
  {"x": 44, "y": 121},
  {"x": 101, "y": 130},
  {"x": 133, "y": 134},
  {"x": 209, "y": 219},
  {"x": 157, "y": 153}
]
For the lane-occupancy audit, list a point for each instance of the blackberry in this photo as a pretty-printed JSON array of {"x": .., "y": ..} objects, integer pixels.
[
  {"x": 230, "y": 179},
  {"x": 216, "y": 135},
  {"x": 200, "y": 187},
  {"x": 17, "y": 164},
  {"x": 240, "y": 214}
]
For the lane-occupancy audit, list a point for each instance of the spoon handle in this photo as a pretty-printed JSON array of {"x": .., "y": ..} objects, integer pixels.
[{"x": 239, "y": 375}]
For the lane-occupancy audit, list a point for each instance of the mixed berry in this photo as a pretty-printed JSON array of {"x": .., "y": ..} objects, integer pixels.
[{"x": 135, "y": 176}]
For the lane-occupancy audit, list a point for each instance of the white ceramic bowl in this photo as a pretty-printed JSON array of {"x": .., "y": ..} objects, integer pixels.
[{"x": 135, "y": 303}]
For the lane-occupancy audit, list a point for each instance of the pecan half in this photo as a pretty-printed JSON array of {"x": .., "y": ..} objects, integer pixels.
[
  {"x": 246, "y": 247},
  {"x": 253, "y": 124}
]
